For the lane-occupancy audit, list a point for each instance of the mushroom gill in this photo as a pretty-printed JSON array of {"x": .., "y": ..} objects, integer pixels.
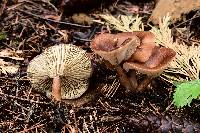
[{"x": 63, "y": 69}]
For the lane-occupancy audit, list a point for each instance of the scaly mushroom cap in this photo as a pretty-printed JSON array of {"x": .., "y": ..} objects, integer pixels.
[
  {"x": 67, "y": 61},
  {"x": 155, "y": 65},
  {"x": 115, "y": 47}
]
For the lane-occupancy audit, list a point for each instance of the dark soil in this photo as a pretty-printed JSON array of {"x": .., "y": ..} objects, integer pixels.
[{"x": 27, "y": 28}]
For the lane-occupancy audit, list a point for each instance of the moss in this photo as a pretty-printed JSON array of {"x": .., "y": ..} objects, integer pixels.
[{"x": 3, "y": 35}]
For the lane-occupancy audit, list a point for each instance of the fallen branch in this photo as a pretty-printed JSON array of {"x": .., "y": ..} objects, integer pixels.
[{"x": 60, "y": 22}]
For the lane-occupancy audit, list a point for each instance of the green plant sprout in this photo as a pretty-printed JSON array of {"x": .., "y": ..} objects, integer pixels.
[
  {"x": 184, "y": 69},
  {"x": 3, "y": 35},
  {"x": 186, "y": 92}
]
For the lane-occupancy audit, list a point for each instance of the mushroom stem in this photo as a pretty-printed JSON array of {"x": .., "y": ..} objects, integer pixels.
[
  {"x": 145, "y": 83},
  {"x": 108, "y": 64},
  {"x": 56, "y": 88},
  {"x": 124, "y": 79},
  {"x": 132, "y": 79}
]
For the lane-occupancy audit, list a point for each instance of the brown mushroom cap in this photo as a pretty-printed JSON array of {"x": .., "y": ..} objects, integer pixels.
[
  {"x": 144, "y": 36},
  {"x": 143, "y": 52},
  {"x": 115, "y": 47},
  {"x": 145, "y": 49},
  {"x": 157, "y": 62},
  {"x": 69, "y": 62}
]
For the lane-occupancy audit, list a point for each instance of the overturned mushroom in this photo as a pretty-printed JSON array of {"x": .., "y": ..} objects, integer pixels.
[
  {"x": 63, "y": 69},
  {"x": 116, "y": 48},
  {"x": 157, "y": 62}
]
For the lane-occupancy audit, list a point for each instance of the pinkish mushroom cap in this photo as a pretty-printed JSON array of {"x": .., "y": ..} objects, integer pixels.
[
  {"x": 145, "y": 49},
  {"x": 158, "y": 61},
  {"x": 143, "y": 52},
  {"x": 144, "y": 36},
  {"x": 115, "y": 47}
]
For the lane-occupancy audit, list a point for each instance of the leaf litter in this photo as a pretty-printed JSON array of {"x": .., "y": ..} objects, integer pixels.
[{"x": 31, "y": 27}]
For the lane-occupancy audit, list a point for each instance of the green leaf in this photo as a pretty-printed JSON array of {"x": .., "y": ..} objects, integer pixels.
[{"x": 186, "y": 92}]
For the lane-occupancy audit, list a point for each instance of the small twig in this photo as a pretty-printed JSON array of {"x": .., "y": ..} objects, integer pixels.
[
  {"x": 14, "y": 79},
  {"x": 176, "y": 26},
  {"x": 82, "y": 39},
  {"x": 156, "y": 110},
  {"x": 37, "y": 125},
  {"x": 13, "y": 7},
  {"x": 10, "y": 112},
  {"x": 75, "y": 120},
  {"x": 69, "y": 128},
  {"x": 39, "y": 2},
  {"x": 110, "y": 107},
  {"x": 168, "y": 107},
  {"x": 60, "y": 22},
  {"x": 6, "y": 123},
  {"x": 111, "y": 90},
  {"x": 50, "y": 4},
  {"x": 107, "y": 106},
  {"x": 22, "y": 99},
  {"x": 16, "y": 103}
]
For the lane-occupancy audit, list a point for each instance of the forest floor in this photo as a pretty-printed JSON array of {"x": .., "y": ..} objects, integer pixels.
[{"x": 28, "y": 27}]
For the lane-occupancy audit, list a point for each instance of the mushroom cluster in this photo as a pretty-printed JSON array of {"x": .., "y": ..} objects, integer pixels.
[
  {"x": 63, "y": 70},
  {"x": 135, "y": 51}
]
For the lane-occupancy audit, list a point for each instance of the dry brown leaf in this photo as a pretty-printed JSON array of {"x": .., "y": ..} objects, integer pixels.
[
  {"x": 54, "y": 17},
  {"x": 8, "y": 67},
  {"x": 174, "y": 7},
  {"x": 10, "y": 54}
]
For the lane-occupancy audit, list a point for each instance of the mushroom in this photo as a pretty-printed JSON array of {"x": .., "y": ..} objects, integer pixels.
[
  {"x": 137, "y": 51},
  {"x": 63, "y": 70},
  {"x": 147, "y": 52},
  {"x": 157, "y": 62},
  {"x": 147, "y": 44},
  {"x": 142, "y": 52},
  {"x": 116, "y": 48}
]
